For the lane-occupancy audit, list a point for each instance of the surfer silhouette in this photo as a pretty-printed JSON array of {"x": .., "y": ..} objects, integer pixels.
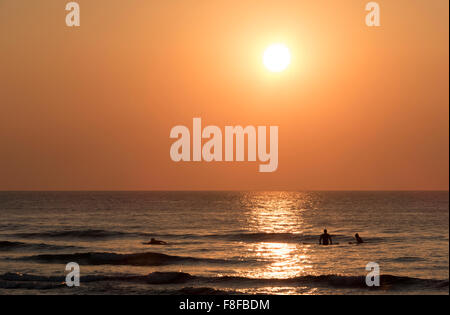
[
  {"x": 325, "y": 238},
  {"x": 156, "y": 242},
  {"x": 358, "y": 239}
]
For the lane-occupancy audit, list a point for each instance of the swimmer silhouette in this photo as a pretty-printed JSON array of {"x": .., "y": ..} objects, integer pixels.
[{"x": 325, "y": 238}]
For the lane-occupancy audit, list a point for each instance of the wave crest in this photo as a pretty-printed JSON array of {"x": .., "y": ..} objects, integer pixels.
[
  {"x": 138, "y": 259},
  {"x": 10, "y": 246},
  {"x": 79, "y": 234}
]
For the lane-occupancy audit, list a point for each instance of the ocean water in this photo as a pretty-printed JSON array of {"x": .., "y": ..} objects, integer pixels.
[{"x": 223, "y": 242}]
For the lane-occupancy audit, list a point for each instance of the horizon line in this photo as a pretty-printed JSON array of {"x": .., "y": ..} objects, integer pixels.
[{"x": 231, "y": 190}]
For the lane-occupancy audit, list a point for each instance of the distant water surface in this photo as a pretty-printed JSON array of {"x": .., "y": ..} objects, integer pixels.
[{"x": 223, "y": 242}]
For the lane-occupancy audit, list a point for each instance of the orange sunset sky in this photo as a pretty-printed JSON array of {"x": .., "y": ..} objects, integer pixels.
[{"x": 91, "y": 108}]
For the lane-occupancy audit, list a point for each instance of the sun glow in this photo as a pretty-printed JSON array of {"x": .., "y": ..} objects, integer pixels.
[{"x": 277, "y": 57}]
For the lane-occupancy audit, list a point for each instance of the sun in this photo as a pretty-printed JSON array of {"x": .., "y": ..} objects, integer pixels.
[{"x": 277, "y": 57}]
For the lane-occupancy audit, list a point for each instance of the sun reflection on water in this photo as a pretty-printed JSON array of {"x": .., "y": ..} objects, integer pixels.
[
  {"x": 275, "y": 212},
  {"x": 279, "y": 220},
  {"x": 283, "y": 260}
]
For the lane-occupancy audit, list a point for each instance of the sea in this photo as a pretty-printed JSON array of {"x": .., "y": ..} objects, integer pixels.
[{"x": 231, "y": 242}]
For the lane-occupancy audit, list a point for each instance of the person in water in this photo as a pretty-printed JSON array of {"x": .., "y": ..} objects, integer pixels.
[
  {"x": 358, "y": 239},
  {"x": 325, "y": 238},
  {"x": 156, "y": 242}
]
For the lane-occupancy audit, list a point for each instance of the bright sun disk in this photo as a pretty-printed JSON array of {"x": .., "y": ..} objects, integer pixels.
[{"x": 277, "y": 57}]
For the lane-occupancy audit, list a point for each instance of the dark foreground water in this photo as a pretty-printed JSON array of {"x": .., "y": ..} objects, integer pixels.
[{"x": 223, "y": 242}]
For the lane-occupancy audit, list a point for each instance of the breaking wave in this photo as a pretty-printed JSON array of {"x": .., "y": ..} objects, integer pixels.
[{"x": 388, "y": 282}]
